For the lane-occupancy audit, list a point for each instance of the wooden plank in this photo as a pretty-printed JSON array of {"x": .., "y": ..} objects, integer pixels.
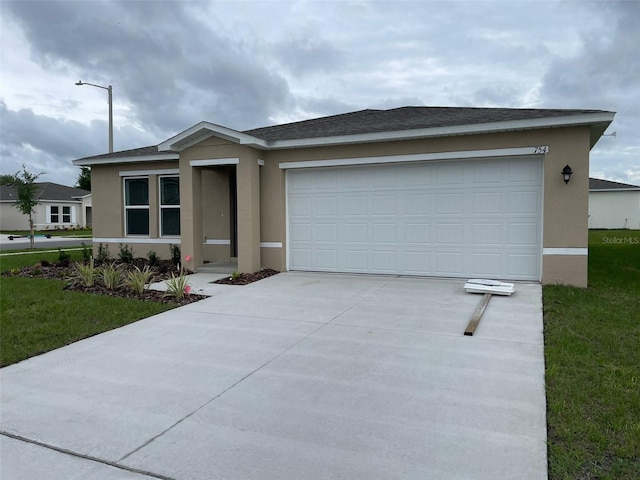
[{"x": 477, "y": 315}]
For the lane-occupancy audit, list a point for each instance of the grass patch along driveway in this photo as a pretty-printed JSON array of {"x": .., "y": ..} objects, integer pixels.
[
  {"x": 38, "y": 315},
  {"x": 592, "y": 353}
]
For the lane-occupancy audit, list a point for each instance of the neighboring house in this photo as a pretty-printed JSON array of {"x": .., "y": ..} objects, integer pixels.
[
  {"x": 613, "y": 204},
  {"x": 426, "y": 191},
  {"x": 60, "y": 207}
]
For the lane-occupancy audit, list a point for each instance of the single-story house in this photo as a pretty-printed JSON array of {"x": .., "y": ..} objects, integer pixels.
[
  {"x": 425, "y": 191},
  {"x": 60, "y": 207},
  {"x": 613, "y": 204}
]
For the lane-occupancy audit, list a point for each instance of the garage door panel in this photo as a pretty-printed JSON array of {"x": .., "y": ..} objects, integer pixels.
[
  {"x": 457, "y": 219},
  {"x": 450, "y": 174},
  {"x": 356, "y": 205},
  {"x": 488, "y": 234},
  {"x": 522, "y": 266},
  {"x": 523, "y": 171},
  {"x": 449, "y": 263},
  {"x": 417, "y": 233},
  {"x": 326, "y": 232},
  {"x": 300, "y": 232},
  {"x": 301, "y": 207},
  {"x": 357, "y": 260},
  {"x": 384, "y": 205},
  {"x": 450, "y": 233},
  {"x": 384, "y": 261},
  {"x": 417, "y": 263},
  {"x": 523, "y": 202},
  {"x": 417, "y": 204},
  {"x": 326, "y": 206},
  {"x": 488, "y": 203},
  {"x": 491, "y": 173},
  {"x": 356, "y": 232},
  {"x": 523, "y": 234},
  {"x": 418, "y": 176},
  {"x": 326, "y": 259},
  {"x": 326, "y": 180},
  {"x": 449, "y": 204},
  {"x": 384, "y": 177},
  {"x": 487, "y": 264},
  {"x": 302, "y": 258}
]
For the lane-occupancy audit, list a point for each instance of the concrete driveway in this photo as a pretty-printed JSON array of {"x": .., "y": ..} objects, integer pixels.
[{"x": 297, "y": 376}]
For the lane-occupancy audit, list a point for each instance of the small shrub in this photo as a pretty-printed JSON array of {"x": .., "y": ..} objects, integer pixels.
[
  {"x": 111, "y": 276},
  {"x": 236, "y": 275},
  {"x": 125, "y": 254},
  {"x": 36, "y": 272},
  {"x": 178, "y": 286},
  {"x": 84, "y": 273},
  {"x": 45, "y": 263},
  {"x": 86, "y": 253},
  {"x": 63, "y": 257},
  {"x": 103, "y": 253},
  {"x": 175, "y": 255},
  {"x": 153, "y": 258},
  {"x": 137, "y": 279},
  {"x": 15, "y": 271}
]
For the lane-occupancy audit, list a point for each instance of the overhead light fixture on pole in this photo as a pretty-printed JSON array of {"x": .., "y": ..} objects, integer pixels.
[{"x": 109, "y": 90}]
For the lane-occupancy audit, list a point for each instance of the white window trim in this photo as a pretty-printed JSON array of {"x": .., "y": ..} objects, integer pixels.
[
  {"x": 161, "y": 206},
  {"x": 133, "y": 207}
]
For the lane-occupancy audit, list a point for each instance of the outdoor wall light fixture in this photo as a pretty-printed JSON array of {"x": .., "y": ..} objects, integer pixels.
[{"x": 566, "y": 173}]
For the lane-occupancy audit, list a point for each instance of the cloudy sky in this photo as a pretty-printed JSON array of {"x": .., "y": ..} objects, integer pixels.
[{"x": 245, "y": 64}]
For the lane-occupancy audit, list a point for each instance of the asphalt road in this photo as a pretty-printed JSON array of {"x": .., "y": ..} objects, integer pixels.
[{"x": 40, "y": 242}]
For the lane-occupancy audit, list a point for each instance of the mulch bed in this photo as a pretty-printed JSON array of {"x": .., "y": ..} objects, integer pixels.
[
  {"x": 161, "y": 271},
  {"x": 247, "y": 278}
]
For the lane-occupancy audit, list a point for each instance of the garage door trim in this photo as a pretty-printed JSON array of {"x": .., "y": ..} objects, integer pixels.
[
  {"x": 420, "y": 157},
  {"x": 538, "y": 251}
]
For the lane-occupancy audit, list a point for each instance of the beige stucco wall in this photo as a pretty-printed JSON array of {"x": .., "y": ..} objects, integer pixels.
[
  {"x": 261, "y": 198},
  {"x": 107, "y": 189},
  {"x": 565, "y": 206}
]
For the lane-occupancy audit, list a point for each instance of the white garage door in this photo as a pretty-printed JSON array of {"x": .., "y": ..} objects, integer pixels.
[{"x": 471, "y": 218}]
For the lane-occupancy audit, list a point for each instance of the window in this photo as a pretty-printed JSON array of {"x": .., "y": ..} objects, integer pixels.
[
  {"x": 169, "y": 206},
  {"x": 55, "y": 214},
  {"x": 66, "y": 214},
  {"x": 136, "y": 201}
]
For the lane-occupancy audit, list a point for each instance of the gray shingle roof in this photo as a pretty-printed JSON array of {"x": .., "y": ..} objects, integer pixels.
[
  {"x": 46, "y": 191},
  {"x": 598, "y": 184},
  {"x": 135, "y": 152},
  {"x": 376, "y": 121},
  {"x": 403, "y": 118}
]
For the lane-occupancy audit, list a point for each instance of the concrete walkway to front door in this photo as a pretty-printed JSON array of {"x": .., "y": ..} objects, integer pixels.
[{"x": 300, "y": 375}]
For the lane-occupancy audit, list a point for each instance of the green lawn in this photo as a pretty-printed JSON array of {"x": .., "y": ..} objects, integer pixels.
[
  {"x": 592, "y": 352},
  {"x": 38, "y": 315}
]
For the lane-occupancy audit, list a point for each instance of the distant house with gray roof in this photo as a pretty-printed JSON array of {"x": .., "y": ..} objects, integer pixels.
[
  {"x": 613, "y": 204},
  {"x": 60, "y": 207}
]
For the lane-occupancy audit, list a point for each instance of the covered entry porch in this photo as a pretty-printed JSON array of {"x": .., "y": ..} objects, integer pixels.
[{"x": 220, "y": 205}]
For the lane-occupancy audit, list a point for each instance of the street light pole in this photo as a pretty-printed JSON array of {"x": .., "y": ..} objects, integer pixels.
[{"x": 109, "y": 90}]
